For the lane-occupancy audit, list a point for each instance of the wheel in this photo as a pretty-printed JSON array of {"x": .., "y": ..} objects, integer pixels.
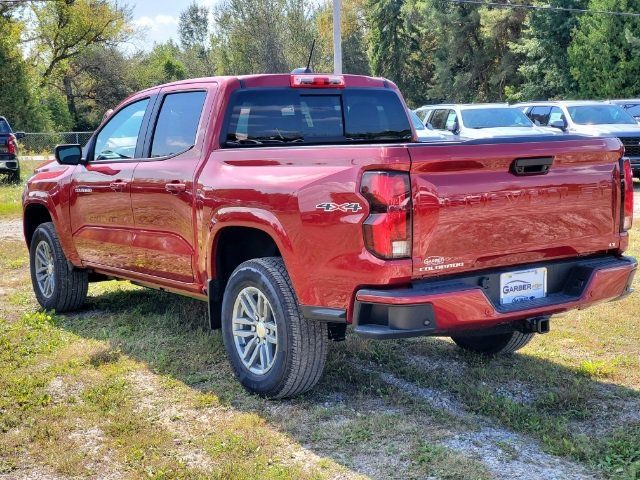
[
  {"x": 499, "y": 344},
  {"x": 14, "y": 177},
  {"x": 56, "y": 284},
  {"x": 273, "y": 349}
]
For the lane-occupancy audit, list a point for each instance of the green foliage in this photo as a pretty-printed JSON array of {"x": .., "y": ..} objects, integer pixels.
[
  {"x": 605, "y": 52},
  {"x": 19, "y": 97}
]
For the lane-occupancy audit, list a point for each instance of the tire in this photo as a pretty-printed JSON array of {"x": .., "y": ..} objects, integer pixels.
[
  {"x": 68, "y": 288},
  {"x": 499, "y": 344},
  {"x": 14, "y": 177},
  {"x": 298, "y": 356}
]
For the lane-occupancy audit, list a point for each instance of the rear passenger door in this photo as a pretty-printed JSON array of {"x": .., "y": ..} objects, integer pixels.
[{"x": 163, "y": 189}]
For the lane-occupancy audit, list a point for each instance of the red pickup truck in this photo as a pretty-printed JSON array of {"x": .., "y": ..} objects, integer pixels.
[{"x": 298, "y": 204}]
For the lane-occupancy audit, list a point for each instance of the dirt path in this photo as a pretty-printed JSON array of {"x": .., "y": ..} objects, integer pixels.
[{"x": 11, "y": 229}]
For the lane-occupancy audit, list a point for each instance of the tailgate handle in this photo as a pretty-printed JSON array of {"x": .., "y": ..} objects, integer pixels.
[{"x": 531, "y": 166}]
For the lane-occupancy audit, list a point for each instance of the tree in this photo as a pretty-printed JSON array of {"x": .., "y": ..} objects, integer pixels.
[
  {"x": 19, "y": 96},
  {"x": 63, "y": 29},
  {"x": 604, "y": 54},
  {"x": 544, "y": 68},
  {"x": 193, "y": 27}
]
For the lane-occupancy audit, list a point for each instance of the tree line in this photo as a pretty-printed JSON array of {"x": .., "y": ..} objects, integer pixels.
[{"x": 63, "y": 63}]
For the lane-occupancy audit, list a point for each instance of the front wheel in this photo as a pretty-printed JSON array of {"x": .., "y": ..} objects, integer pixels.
[
  {"x": 57, "y": 285},
  {"x": 273, "y": 349},
  {"x": 498, "y": 344}
]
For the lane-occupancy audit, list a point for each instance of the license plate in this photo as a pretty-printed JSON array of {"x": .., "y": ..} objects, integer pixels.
[{"x": 523, "y": 286}]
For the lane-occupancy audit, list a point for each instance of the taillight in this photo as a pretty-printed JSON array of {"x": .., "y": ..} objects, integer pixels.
[
  {"x": 317, "y": 81},
  {"x": 11, "y": 146},
  {"x": 387, "y": 230},
  {"x": 627, "y": 195}
]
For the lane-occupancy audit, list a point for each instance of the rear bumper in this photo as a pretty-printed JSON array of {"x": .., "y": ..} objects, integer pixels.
[
  {"x": 8, "y": 164},
  {"x": 443, "y": 307}
]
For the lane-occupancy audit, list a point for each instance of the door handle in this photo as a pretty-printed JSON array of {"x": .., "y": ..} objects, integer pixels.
[
  {"x": 175, "y": 188},
  {"x": 531, "y": 166},
  {"x": 118, "y": 185}
]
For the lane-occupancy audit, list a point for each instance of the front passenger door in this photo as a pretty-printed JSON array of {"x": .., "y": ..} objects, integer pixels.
[{"x": 100, "y": 193}]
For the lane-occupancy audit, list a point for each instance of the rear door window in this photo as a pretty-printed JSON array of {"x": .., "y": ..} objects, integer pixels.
[
  {"x": 177, "y": 123},
  {"x": 286, "y": 116},
  {"x": 4, "y": 126}
]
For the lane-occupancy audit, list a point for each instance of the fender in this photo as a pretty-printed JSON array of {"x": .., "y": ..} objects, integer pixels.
[
  {"x": 257, "y": 218},
  {"x": 59, "y": 219}
]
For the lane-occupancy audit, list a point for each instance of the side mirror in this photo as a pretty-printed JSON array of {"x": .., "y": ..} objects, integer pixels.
[
  {"x": 107, "y": 114},
  {"x": 453, "y": 128},
  {"x": 558, "y": 124},
  {"x": 19, "y": 135},
  {"x": 70, "y": 154}
]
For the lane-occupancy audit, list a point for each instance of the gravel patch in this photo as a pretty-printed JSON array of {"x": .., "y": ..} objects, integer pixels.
[{"x": 11, "y": 229}]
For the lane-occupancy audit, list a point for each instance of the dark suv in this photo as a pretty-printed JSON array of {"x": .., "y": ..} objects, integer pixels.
[{"x": 9, "y": 163}]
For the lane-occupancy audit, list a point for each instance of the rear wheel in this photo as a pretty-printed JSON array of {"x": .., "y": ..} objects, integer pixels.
[
  {"x": 57, "y": 285},
  {"x": 14, "y": 177},
  {"x": 498, "y": 344},
  {"x": 273, "y": 349}
]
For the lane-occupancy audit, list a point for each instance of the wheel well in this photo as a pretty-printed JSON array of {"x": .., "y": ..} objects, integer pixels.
[
  {"x": 233, "y": 246},
  {"x": 34, "y": 215},
  {"x": 239, "y": 244}
]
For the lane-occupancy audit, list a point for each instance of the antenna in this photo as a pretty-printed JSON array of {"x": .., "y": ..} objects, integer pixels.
[
  {"x": 307, "y": 69},
  {"x": 313, "y": 45}
]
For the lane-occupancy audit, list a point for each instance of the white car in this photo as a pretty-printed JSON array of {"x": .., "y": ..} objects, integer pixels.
[
  {"x": 589, "y": 118},
  {"x": 486, "y": 120}
]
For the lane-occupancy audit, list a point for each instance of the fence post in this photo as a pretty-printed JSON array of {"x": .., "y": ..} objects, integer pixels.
[{"x": 77, "y": 141}]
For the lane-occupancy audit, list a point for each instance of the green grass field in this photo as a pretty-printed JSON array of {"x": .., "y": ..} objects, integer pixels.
[{"x": 135, "y": 386}]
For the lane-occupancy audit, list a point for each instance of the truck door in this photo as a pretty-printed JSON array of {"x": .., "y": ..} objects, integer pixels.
[
  {"x": 100, "y": 193},
  {"x": 163, "y": 188}
]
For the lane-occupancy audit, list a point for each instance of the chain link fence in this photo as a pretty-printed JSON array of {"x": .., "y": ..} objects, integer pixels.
[{"x": 44, "y": 143}]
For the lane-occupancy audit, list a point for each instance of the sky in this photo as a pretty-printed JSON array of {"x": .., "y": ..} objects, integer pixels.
[{"x": 158, "y": 19}]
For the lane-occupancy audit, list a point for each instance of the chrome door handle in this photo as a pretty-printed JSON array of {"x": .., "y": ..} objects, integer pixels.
[
  {"x": 175, "y": 188},
  {"x": 118, "y": 185}
]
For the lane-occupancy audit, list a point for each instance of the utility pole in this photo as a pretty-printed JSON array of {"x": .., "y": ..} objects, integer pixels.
[{"x": 337, "y": 38}]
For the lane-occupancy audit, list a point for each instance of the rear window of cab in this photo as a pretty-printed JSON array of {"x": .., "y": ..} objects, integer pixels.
[{"x": 258, "y": 117}]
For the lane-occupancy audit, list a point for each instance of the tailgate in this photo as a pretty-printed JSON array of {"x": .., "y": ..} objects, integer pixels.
[{"x": 473, "y": 210}]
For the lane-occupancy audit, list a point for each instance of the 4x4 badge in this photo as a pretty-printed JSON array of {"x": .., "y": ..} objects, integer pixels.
[{"x": 343, "y": 207}]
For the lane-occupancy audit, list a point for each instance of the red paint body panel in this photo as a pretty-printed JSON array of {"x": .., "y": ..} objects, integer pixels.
[{"x": 467, "y": 208}]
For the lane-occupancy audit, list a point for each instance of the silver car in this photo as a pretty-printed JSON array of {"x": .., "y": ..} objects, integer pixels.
[
  {"x": 425, "y": 134},
  {"x": 592, "y": 118},
  {"x": 480, "y": 120}
]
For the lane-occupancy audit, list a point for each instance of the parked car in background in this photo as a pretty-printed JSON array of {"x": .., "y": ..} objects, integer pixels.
[
  {"x": 594, "y": 118},
  {"x": 9, "y": 163},
  {"x": 423, "y": 133},
  {"x": 631, "y": 105},
  {"x": 482, "y": 121},
  {"x": 297, "y": 204}
]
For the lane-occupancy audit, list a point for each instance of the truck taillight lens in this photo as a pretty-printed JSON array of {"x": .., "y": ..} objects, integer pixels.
[
  {"x": 627, "y": 194},
  {"x": 387, "y": 230},
  {"x": 11, "y": 146}
]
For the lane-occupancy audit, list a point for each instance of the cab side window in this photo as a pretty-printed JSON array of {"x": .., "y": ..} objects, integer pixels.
[
  {"x": 540, "y": 115},
  {"x": 439, "y": 119},
  {"x": 452, "y": 120},
  {"x": 177, "y": 123},
  {"x": 556, "y": 114},
  {"x": 119, "y": 137}
]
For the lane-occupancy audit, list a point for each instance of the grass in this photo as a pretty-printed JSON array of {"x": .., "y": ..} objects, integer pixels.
[
  {"x": 11, "y": 194},
  {"x": 134, "y": 385}
]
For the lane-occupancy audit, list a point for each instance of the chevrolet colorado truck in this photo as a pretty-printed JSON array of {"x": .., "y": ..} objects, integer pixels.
[
  {"x": 298, "y": 204},
  {"x": 9, "y": 163}
]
